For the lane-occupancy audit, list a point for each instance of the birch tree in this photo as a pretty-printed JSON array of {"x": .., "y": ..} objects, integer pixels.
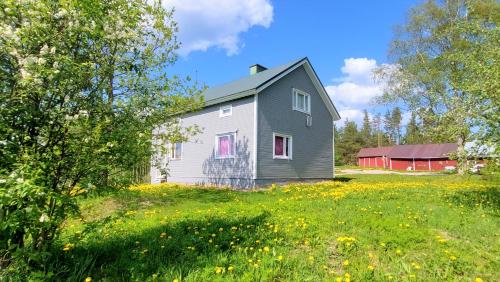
[{"x": 445, "y": 70}]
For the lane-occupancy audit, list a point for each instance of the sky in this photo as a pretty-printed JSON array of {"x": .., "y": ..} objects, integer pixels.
[{"x": 344, "y": 40}]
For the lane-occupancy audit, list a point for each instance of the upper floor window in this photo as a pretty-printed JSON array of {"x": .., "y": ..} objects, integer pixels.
[
  {"x": 226, "y": 110},
  {"x": 175, "y": 152},
  {"x": 282, "y": 146},
  {"x": 225, "y": 145},
  {"x": 301, "y": 101}
]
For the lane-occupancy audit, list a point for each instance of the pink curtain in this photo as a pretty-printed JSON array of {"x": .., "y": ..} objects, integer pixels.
[
  {"x": 278, "y": 146},
  {"x": 224, "y": 146}
]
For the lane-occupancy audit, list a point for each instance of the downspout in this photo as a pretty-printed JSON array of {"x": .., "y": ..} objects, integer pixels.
[
  {"x": 414, "y": 164},
  {"x": 430, "y": 165}
]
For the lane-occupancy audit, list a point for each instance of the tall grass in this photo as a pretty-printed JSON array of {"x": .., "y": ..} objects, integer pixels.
[{"x": 358, "y": 228}]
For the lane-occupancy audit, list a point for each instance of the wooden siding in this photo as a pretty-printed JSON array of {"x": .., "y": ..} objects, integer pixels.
[{"x": 312, "y": 153}]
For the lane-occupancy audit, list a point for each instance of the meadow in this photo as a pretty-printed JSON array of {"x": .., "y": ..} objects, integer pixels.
[{"x": 356, "y": 228}]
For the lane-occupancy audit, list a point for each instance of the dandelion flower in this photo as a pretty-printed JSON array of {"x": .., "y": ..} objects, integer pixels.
[
  {"x": 371, "y": 267},
  {"x": 88, "y": 279},
  {"x": 346, "y": 262},
  {"x": 280, "y": 258},
  {"x": 266, "y": 249},
  {"x": 478, "y": 279},
  {"x": 230, "y": 268}
]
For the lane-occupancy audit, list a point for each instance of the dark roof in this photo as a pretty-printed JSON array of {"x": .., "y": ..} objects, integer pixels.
[
  {"x": 247, "y": 83},
  {"x": 374, "y": 152},
  {"x": 417, "y": 151},
  {"x": 423, "y": 151}
]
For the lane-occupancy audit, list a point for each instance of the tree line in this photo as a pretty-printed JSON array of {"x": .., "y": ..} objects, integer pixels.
[{"x": 378, "y": 131}]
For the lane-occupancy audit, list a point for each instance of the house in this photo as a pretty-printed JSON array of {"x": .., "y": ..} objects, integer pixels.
[
  {"x": 274, "y": 125},
  {"x": 405, "y": 157}
]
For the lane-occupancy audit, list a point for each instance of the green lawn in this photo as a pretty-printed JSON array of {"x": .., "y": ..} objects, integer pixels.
[{"x": 357, "y": 228}]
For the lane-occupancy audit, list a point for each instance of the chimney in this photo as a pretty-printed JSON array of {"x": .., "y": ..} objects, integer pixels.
[{"x": 256, "y": 68}]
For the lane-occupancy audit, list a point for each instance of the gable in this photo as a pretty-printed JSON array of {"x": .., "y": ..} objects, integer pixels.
[
  {"x": 256, "y": 83},
  {"x": 315, "y": 81}
]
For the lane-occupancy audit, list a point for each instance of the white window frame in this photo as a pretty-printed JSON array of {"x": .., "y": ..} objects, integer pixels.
[
  {"x": 290, "y": 148},
  {"x": 171, "y": 151},
  {"x": 217, "y": 156},
  {"x": 295, "y": 93},
  {"x": 225, "y": 107}
]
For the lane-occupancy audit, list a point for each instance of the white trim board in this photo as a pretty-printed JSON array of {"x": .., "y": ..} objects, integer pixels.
[{"x": 255, "y": 132}]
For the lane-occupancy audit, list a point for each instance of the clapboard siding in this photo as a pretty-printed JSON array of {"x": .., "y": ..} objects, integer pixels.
[
  {"x": 312, "y": 146},
  {"x": 198, "y": 163}
]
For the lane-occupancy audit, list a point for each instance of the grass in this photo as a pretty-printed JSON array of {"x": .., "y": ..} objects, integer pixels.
[{"x": 359, "y": 228}]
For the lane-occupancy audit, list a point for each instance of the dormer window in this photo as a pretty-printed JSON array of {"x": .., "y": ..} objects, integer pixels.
[
  {"x": 226, "y": 111},
  {"x": 301, "y": 101}
]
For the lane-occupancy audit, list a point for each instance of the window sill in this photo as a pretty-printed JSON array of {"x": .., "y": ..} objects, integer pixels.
[
  {"x": 226, "y": 157},
  {"x": 302, "y": 111},
  {"x": 281, "y": 158}
]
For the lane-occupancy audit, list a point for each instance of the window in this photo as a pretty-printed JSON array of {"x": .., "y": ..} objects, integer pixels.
[
  {"x": 175, "y": 151},
  {"x": 301, "y": 101},
  {"x": 226, "y": 111},
  {"x": 282, "y": 146},
  {"x": 225, "y": 145}
]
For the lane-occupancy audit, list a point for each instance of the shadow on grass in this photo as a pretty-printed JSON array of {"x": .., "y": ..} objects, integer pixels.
[
  {"x": 489, "y": 197},
  {"x": 343, "y": 179},
  {"x": 170, "y": 249},
  {"x": 137, "y": 199}
]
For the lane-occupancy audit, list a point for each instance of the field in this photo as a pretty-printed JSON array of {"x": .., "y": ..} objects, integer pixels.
[{"x": 357, "y": 228}]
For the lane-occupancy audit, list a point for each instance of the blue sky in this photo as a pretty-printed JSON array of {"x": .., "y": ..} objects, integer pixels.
[{"x": 344, "y": 40}]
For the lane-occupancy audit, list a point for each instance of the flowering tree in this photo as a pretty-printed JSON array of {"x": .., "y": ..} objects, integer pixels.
[{"x": 82, "y": 85}]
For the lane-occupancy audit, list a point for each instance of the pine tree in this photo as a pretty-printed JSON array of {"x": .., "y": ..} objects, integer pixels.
[
  {"x": 396, "y": 118},
  {"x": 388, "y": 127},
  {"x": 350, "y": 144},
  {"x": 366, "y": 130},
  {"x": 377, "y": 130},
  {"x": 413, "y": 134}
]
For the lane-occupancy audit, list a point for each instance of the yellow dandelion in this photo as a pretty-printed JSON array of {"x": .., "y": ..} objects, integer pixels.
[
  {"x": 371, "y": 267},
  {"x": 218, "y": 269},
  {"x": 453, "y": 258},
  {"x": 280, "y": 258},
  {"x": 346, "y": 262},
  {"x": 478, "y": 279},
  {"x": 88, "y": 279},
  {"x": 230, "y": 268},
  {"x": 266, "y": 249}
]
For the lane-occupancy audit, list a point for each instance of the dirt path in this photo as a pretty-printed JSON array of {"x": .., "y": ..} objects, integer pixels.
[{"x": 379, "y": 171}]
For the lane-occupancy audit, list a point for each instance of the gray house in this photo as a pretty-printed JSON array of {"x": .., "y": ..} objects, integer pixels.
[{"x": 274, "y": 125}]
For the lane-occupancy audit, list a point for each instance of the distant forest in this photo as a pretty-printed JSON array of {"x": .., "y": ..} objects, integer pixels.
[{"x": 378, "y": 131}]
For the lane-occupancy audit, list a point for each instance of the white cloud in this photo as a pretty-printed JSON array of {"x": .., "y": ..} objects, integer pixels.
[
  {"x": 218, "y": 23},
  {"x": 355, "y": 91}
]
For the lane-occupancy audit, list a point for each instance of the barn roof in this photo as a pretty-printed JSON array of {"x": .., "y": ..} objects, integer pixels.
[
  {"x": 417, "y": 151},
  {"x": 422, "y": 151},
  {"x": 374, "y": 152}
]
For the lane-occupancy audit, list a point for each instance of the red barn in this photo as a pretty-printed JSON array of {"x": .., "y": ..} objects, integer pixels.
[
  {"x": 422, "y": 156},
  {"x": 374, "y": 157},
  {"x": 409, "y": 157}
]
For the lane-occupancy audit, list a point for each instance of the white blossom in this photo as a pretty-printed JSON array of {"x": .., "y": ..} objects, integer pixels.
[
  {"x": 44, "y": 218},
  {"x": 44, "y": 49},
  {"x": 61, "y": 13}
]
